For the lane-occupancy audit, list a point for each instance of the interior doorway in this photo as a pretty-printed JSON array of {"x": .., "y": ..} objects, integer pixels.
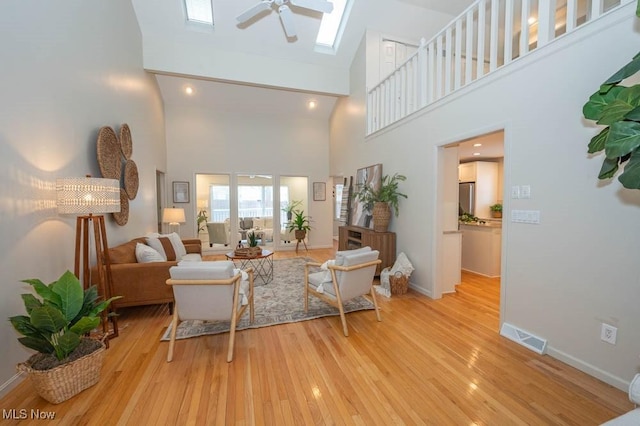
[
  {"x": 470, "y": 238},
  {"x": 161, "y": 196}
]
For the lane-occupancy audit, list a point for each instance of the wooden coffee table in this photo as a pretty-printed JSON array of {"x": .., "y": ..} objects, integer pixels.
[{"x": 262, "y": 265}]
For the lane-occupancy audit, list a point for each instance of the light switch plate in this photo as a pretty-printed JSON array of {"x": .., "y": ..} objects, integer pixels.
[
  {"x": 525, "y": 191},
  {"x": 515, "y": 191},
  {"x": 525, "y": 216}
]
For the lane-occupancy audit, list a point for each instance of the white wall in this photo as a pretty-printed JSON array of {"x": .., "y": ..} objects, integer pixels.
[
  {"x": 65, "y": 73},
  {"x": 201, "y": 141},
  {"x": 579, "y": 267}
]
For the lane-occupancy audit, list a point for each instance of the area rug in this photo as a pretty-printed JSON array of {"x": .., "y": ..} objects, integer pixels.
[{"x": 281, "y": 301}]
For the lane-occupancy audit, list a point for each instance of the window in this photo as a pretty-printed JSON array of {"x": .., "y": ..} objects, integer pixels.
[
  {"x": 255, "y": 201},
  {"x": 332, "y": 26},
  {"x": 200, "y": 11},
  {"x": 219, "y": 202}
]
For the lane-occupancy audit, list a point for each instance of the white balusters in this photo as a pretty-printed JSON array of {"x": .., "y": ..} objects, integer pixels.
[{"x": 437, "y": 68}]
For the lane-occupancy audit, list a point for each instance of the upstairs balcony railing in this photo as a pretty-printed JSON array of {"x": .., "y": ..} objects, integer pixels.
[{"x": 488, "y": 35}]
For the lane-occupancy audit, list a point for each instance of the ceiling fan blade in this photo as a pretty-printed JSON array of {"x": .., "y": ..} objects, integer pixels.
[
  {"x": 255, "y": 10},
  {"x": 287, "y": 21},
  {"x": 317, "y": 5}
]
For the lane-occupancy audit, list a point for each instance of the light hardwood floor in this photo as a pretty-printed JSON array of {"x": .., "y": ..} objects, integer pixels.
[{"x": 439, "y": 362}]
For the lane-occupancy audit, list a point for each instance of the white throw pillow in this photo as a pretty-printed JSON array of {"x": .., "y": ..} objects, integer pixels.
[
  {"x": 153, "y": 240},
  {"x": 146, "y": 254}
]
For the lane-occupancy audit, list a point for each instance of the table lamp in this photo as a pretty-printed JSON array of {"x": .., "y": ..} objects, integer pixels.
[{"x": 173, "y": 216}]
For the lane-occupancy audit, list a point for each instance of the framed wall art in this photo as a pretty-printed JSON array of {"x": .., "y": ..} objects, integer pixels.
[
  {"x": 319, "y": 191},
  {"x": 180, "y": 192}
]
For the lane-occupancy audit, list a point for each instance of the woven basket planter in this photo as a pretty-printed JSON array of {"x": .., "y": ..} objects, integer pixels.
[
  {"x": 381, "y": 216},
  {"x": 65, "y": 381},
  {"x": 399, "y": 283}
]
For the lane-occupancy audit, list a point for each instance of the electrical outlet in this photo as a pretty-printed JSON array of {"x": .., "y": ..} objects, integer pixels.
[{"x": 608, "y": 333}]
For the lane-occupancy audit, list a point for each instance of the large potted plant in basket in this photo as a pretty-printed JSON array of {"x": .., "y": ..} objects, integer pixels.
[
  {"x": 381, "y": 201},
  {"x": 300, "y": 224},
  {"x": 55, "y": 325}
]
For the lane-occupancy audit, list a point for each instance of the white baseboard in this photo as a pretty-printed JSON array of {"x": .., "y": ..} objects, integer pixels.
[
  {"x": 10, "y": 384},
  {"x": 608, "y": 378},
  {"x": 420, "y": 290}
]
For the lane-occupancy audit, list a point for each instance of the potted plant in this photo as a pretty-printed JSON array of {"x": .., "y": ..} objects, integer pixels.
[
  {"x": 617, "y": 108},
  {"x": 55, "y": 325},
  {"x": 496, "y": 210},
  {"x": 382, "y": 200},
  {"x": 290, "y": 207},
  {"x": 300, "y": 224},
  {"x": 201, "y": 220}
]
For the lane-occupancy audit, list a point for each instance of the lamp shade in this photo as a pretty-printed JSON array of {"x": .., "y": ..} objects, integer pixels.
[
  {"x": 173, "y": 215},
  {"x": 87, "y": 195}
]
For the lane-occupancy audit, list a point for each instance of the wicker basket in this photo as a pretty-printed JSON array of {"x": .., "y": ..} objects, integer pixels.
[
  {"x": 399, "y": 283},
  {"x": 247, "y": 252},
  {"x": 67, "y": 380}
]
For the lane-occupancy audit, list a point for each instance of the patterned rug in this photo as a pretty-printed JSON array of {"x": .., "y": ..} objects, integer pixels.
[{"x": 281, "y": 301}]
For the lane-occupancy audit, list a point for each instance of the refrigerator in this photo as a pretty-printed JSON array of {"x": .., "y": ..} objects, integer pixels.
[{"x": 467, "y": 199}]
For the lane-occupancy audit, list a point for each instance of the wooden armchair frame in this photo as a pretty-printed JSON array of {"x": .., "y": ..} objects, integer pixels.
[
  {"x": 236, "y": 312},
  {"x": 337, "y": 301}
]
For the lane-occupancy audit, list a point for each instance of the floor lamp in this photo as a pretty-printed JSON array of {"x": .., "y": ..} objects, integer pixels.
[
  {"x": 173, "y": 216},
  {"x": 88, "y": 197}
]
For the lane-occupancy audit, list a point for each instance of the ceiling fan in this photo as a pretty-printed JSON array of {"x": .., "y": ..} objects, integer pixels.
[{"x": 286, "y": 16}]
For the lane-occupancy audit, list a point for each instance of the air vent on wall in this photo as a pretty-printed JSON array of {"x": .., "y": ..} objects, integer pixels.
[{"x": 524, "y": 338}]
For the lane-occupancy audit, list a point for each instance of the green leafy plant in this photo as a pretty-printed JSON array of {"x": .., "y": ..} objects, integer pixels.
[
  {"x": 387, "y": 193},
  {"x": 201, "y": 220},
  {"x": 290, "y": 207},
  {"x": 299, "y": 222},
  {"x": 55, "y": 323},
  {"x": 617, "y": 107},
  {"x": 496, "y": 208},
  {"x": 252, "y": 239},
  {"x": 467, "y": 218}
]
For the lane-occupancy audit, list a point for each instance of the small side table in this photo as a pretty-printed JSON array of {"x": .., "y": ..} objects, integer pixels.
[{"x": 262, "y": 265}]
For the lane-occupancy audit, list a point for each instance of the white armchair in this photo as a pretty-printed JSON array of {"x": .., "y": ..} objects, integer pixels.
[
  {"x": 210, "y": 291},
  {"x": 349, "y": 276}
]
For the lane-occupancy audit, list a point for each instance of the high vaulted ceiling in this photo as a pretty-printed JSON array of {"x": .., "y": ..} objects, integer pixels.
[{"x": 259, "y": 54}]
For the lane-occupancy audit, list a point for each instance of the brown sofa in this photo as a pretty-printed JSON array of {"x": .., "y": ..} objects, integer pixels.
[{"x": 142, "y": 283}]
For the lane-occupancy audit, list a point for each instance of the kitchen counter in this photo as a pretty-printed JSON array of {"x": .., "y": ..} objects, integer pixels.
[{"x": 481, "y": 246}]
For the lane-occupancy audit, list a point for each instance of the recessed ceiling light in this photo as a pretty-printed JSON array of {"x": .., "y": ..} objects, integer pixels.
[
  {"x": 312, "y": 104},
  {"x": 188, "y": 90},
  {"x": 477, "y": 144},
  {"x": 476, "y": 153}
]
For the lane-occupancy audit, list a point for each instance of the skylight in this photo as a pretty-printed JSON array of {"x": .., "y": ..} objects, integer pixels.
[
  {"x": 200, "y": 11},
  {"x": 332, "y": 25}
]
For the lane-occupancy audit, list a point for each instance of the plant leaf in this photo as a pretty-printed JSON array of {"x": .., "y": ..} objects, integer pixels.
[
  {"x": 634, "y": 114},
  {"x": 85, "y": 325},
  {"x": 624, "y": 137},
  {"x": 40, "y": 345},
  {"x": 630, "y": 177},
  {"x": 597, "y": 142},
  {"x": 102, "y": 306},
  {"x": 69, "y": 289},
  {"x": 609, "y": 168},
  {"x": 594, "y": 108},
  {"x": 22, "y": 325},
  {"x": 30, "y": 302},
  {"x": 48, "y": 319},
  {"x": 43, "y": 290},
  {"x": 626, "y": 71},
  {"x": 67, "y": 343}
]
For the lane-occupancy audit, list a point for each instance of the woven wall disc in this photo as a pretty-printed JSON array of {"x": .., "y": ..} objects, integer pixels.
[
  {"x": 109, "y": 154},
  {"x": 131, "y": 180},
  {"x": 126, "y": 144},
  {"x": 122, "y": 217}
]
